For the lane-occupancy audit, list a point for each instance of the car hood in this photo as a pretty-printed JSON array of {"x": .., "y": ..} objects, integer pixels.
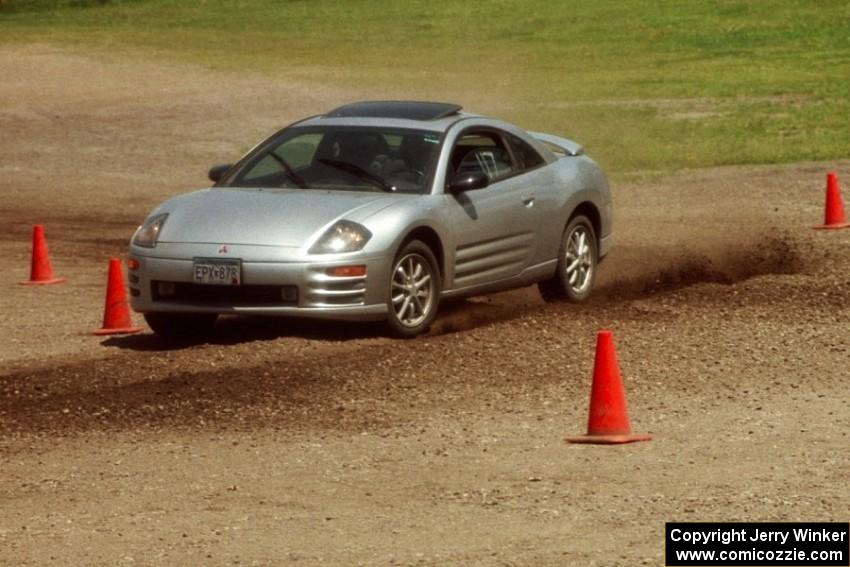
[{"x": 271, "y": 217}]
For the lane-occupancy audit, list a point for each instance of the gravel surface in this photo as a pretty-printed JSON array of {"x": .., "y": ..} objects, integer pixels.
[{"x": 297, "y": 442}]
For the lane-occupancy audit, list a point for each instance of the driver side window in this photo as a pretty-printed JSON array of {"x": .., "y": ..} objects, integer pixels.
[{"x": 483, "y": 152}]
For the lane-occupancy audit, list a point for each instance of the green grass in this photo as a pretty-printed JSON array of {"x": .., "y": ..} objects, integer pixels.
[{"x": 646, "y": 85}]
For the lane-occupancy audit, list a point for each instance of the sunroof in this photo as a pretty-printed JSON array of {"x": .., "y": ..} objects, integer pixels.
[{"x": 410, "y": 110}]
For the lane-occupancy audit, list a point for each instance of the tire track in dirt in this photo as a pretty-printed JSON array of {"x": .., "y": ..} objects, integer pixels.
[
  {"x": 351, "y": 386},
  {"x": 271, "y": 373}
]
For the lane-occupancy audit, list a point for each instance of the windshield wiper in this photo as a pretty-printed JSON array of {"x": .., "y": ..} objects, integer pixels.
[
  {"x": 290, "y": 173},
  {"x": 359, "y": 172}
]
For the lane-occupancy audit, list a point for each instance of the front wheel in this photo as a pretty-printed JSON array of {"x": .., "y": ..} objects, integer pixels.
[
  {"x": 414, "y": 290},
  {"x": 577, "y": 259},
  {"x": 181, "y": 326}
]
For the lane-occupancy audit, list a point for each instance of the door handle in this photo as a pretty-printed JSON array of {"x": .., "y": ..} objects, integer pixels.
[{"x": 528, "y": 202}]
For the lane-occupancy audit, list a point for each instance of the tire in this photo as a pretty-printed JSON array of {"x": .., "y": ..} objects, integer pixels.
[
  {"x": 182, "y": 326},
  {"x": 578, "y": 257},
  {"x": 413, "y": 290}
]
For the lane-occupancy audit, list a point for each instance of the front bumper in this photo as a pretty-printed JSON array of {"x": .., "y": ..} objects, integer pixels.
[{"x": 283, "y": 288}]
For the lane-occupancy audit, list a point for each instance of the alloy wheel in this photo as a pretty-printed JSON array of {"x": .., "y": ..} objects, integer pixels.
[
  {"x": 412, "y": 289},
  {"x": 579, "y": 260}
]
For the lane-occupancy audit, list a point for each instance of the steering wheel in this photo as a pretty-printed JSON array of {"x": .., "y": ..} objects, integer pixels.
[{"x": 404, "y": 170}]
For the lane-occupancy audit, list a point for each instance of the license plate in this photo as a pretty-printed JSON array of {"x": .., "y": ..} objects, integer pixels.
[{"x": 217, "y": 272}]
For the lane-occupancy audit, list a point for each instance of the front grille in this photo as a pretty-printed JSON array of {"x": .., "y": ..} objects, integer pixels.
[{"x": 243, "y": 295}]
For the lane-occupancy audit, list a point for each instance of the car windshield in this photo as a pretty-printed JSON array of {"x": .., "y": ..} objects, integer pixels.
[{"x": 341, "y": 158}]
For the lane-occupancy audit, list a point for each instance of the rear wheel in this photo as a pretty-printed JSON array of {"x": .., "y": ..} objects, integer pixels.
[
  {"x": 183, "y": 326},
  {"x": 577, "y": 259},
  {"x": 414, "y": 290}
]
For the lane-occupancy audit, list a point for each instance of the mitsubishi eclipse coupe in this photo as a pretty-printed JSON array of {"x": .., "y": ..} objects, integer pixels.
[{"x": 374, "y": 211}]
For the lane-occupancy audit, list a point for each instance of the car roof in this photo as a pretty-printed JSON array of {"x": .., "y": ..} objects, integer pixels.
[
  {"x": 405, "y": 109},
  {"x": 417, "y": 115}
]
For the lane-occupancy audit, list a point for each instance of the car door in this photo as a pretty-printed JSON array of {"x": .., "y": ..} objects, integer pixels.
[{"x": 493, "y": 227}]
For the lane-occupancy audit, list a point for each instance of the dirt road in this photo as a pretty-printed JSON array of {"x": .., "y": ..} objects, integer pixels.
[{"x": 285, "y": 442}]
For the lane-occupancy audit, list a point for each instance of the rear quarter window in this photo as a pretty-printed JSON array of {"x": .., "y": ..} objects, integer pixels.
[{"x": 527, "y": 156}]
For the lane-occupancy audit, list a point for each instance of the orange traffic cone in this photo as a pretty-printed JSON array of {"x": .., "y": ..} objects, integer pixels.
[
  {"x": 116, "y": 313},
  {"x": 833, "y": 216},
  {"x": 608, "y": 420},
  {"x": 40, "y": 271}
]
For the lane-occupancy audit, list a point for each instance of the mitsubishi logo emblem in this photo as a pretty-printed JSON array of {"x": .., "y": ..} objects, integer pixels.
[{"x": 222, "y": 249}]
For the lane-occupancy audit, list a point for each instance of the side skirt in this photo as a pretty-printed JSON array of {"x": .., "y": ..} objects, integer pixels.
[{"x": 528, "y": 276}]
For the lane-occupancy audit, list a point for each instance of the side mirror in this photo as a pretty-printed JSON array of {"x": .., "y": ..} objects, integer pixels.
[
  {"x": 468, "y": 181},
  {"x": 217, "y": 171}
]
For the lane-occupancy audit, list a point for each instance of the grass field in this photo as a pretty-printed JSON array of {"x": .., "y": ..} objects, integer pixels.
[{"x": 648, "y": 86}]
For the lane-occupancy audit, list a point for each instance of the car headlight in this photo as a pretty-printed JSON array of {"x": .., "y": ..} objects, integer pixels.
[
  {"x": 148, "y": 233},
  {"x": 344, "y": 236}
]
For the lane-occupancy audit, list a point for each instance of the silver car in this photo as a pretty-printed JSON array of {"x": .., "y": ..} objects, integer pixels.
[{"x": 375, "y": 211}]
